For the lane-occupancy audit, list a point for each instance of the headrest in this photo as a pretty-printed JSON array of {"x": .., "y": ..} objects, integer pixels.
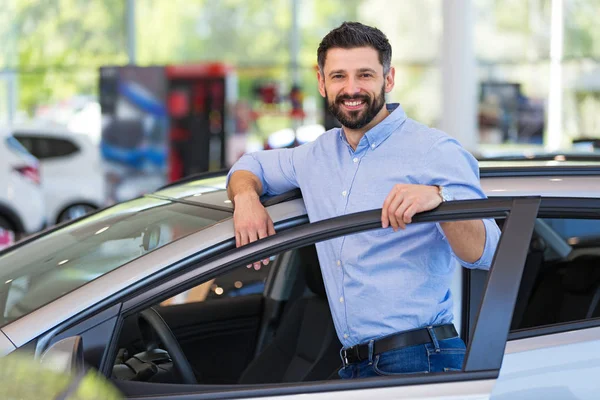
[{"x": 310, "y": 263}]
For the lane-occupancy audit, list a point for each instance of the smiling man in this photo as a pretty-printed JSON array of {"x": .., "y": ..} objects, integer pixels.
[{"x": 388, "y": 290}]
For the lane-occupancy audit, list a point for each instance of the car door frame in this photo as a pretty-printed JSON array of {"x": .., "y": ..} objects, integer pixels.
[{"x": 485, "y": 351}]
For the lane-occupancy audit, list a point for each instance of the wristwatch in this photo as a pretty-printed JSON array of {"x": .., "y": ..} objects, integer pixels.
[{"x": 443, "y": 192}]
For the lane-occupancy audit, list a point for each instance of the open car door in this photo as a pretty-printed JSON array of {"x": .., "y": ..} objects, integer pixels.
[{"x": 487, "y": 341}]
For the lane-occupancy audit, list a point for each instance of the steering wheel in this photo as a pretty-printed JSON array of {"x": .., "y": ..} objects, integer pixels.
[{"x": 156, "y": 332}]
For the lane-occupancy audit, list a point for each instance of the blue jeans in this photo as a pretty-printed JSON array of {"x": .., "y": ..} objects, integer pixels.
[{"x": 437, "y": 356}]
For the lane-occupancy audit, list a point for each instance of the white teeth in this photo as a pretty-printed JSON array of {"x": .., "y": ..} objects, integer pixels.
[{"x": 352, "y": 103}]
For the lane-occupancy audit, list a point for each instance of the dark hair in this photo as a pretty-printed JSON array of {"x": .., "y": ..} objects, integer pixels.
[{"x": 350, "y": 35}]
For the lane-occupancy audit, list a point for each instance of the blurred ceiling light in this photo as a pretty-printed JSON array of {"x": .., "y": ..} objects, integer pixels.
[
  {"x": 309, "y": 133},
  {"x": 560, "y": 157},
  {"x": 8, "y": 281},
  {"x": 282, "y": 138},
  {"x": 227, "y": 201},
  {"x": 198, "y": 194},
  {"x": 63, "y": 262},
  {"x": 219, "y": 291},
  {"x": 238, "y": 284},
  {"x": 556, "y": 180}
]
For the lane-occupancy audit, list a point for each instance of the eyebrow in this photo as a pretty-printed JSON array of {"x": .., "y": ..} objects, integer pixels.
[{"x": 361, "y": 70}]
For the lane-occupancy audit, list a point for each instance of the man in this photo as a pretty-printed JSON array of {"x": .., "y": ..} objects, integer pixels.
[{"x": 388, "y": 289}]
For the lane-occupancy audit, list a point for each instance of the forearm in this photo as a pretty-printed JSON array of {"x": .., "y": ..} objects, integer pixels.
[
  {"x": 243, "y": 183},
  {"x": 467, "y": 238}
]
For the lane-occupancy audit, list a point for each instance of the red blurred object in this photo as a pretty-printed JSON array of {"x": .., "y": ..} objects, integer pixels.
[
  {"x": 197, "y": 116},
  {"x": 31, "y": 172},
  {"x": 7, "y": 238},
  {"x": 178, "y": 103},
  {"x": 208, "y": 70},
  {"x": 268, "y": 94}
]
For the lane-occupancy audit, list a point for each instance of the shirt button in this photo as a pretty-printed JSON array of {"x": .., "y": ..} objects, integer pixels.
[
  {"x": 344, "y": 193},
  {"x": 338, "y": 263},
  {"x": 345, "y": 336},
  {"x": 355, "y": 159},
  {"x": 372, "y": 146},
  {"x": 341, "y": 299}
]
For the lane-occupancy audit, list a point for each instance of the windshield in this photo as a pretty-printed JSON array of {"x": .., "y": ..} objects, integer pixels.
[{"x": 56, "y": 263}]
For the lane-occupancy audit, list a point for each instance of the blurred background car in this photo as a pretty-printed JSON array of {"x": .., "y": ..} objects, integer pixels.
[
  {"x": 21, "y": 197},
  {"x": 71, "y": 170}
]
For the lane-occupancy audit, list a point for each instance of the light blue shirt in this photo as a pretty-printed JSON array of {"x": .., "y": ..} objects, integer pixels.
[{"x": 379, "y": 282}]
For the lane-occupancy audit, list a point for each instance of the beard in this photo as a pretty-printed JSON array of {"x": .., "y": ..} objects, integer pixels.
[{"x": 359, "y": 118}]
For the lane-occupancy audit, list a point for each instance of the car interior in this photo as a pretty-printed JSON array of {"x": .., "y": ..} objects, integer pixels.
[{"x": 239, "y": 340}]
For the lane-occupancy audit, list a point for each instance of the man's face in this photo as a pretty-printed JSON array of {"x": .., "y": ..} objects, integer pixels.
[{"x": 353, "y": 83}]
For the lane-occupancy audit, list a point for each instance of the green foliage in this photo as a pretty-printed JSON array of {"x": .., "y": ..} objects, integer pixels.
[
  {"x": 582, "y": 36},
  {"x": 62, "y": 42}
]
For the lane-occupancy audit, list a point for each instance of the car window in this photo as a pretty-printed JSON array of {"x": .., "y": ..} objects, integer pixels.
[
  {"x": 47, "y": 147},
  {"x": 561, "y": 280},
  {"x": 242, "y": 281},
  {"x": 60, "y": 261},
  {"x": 575, "y": 231}
]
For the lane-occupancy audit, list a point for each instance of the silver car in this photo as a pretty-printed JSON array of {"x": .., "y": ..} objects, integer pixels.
[{"x": 154, "y": 295}]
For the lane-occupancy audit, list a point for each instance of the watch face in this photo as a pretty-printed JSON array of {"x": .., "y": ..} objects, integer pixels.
[{"x": 445, "y": 195}]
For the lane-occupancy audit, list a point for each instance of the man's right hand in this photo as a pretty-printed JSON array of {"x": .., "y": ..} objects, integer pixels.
[{"x": 251, "y": 222}]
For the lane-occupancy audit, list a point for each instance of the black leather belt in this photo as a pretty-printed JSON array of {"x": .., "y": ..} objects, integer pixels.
[{"x": 414, "y": 337}]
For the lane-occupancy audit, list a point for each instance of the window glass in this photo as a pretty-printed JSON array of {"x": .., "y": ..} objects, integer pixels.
[
  {"x": 47, "y": 147},
  {"x": 239, "y": 282},
  {"x": 63, "y": 260},
  {"x": 561, "y": 280}
]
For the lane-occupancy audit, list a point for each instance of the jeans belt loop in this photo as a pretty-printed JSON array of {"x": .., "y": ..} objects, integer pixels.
[
  {"x": 371, "y": 343},
  {"x": 434, "y": 339}
]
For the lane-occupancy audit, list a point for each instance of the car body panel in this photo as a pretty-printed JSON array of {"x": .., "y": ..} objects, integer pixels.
[
  {"x": 558, "y": 186},
  {"x": 470, "y": 390},
  {"x": 6, "y": 346},
  {"x": 556, "y": 366}
]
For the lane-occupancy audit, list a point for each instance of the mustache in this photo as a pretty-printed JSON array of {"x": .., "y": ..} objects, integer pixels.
[{"x": 346, "y": 97}]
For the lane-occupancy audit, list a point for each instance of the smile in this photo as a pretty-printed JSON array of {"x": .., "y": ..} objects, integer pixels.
[{"x": 353, "y": 105}]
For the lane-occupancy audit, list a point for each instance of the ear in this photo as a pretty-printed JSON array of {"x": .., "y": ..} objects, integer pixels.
[
  {"x": 321, "y": 79},
  {"x": 390, "y": 80}
]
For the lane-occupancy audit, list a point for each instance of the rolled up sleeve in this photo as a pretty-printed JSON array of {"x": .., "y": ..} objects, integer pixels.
[
  {"x": 448, "y": 164},
  {"x": 274, "y": 168}
]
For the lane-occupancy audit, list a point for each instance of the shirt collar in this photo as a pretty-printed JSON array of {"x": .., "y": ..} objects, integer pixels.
[{"x": 377, "y": 135}]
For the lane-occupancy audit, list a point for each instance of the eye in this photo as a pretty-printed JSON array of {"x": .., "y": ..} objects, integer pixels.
[
  {"x": 367, "y": 75},
  {"x": 336, "y": 76}
]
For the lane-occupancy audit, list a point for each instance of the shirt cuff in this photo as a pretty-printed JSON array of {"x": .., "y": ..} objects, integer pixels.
[
  {"x": 489, "y": 249},
  {"x": 492, "y": 234}
]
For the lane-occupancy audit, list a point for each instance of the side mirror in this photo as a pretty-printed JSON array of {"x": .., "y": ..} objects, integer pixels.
[{"x": 65, "y": 356}]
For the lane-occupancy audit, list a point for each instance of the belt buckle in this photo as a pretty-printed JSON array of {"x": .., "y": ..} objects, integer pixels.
[{"x": 345, "y": 357}]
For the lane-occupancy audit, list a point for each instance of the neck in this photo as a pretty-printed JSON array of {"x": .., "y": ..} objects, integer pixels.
[{"x": 353, "y": 136}]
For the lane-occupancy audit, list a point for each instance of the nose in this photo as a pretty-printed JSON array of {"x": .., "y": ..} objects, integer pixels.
[{"x": 351, "y": 88}]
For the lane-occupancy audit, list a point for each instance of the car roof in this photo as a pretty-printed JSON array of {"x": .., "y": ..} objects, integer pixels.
[{"x": 498, "y": 178}]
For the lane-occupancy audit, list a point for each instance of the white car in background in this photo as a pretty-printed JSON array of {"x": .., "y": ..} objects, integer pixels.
[
  {"x": 71, "y": 170},
  {"x": 21, "y": 197}
]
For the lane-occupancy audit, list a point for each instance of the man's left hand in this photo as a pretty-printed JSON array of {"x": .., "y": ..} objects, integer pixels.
[{"x": 405, "y": 200}]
